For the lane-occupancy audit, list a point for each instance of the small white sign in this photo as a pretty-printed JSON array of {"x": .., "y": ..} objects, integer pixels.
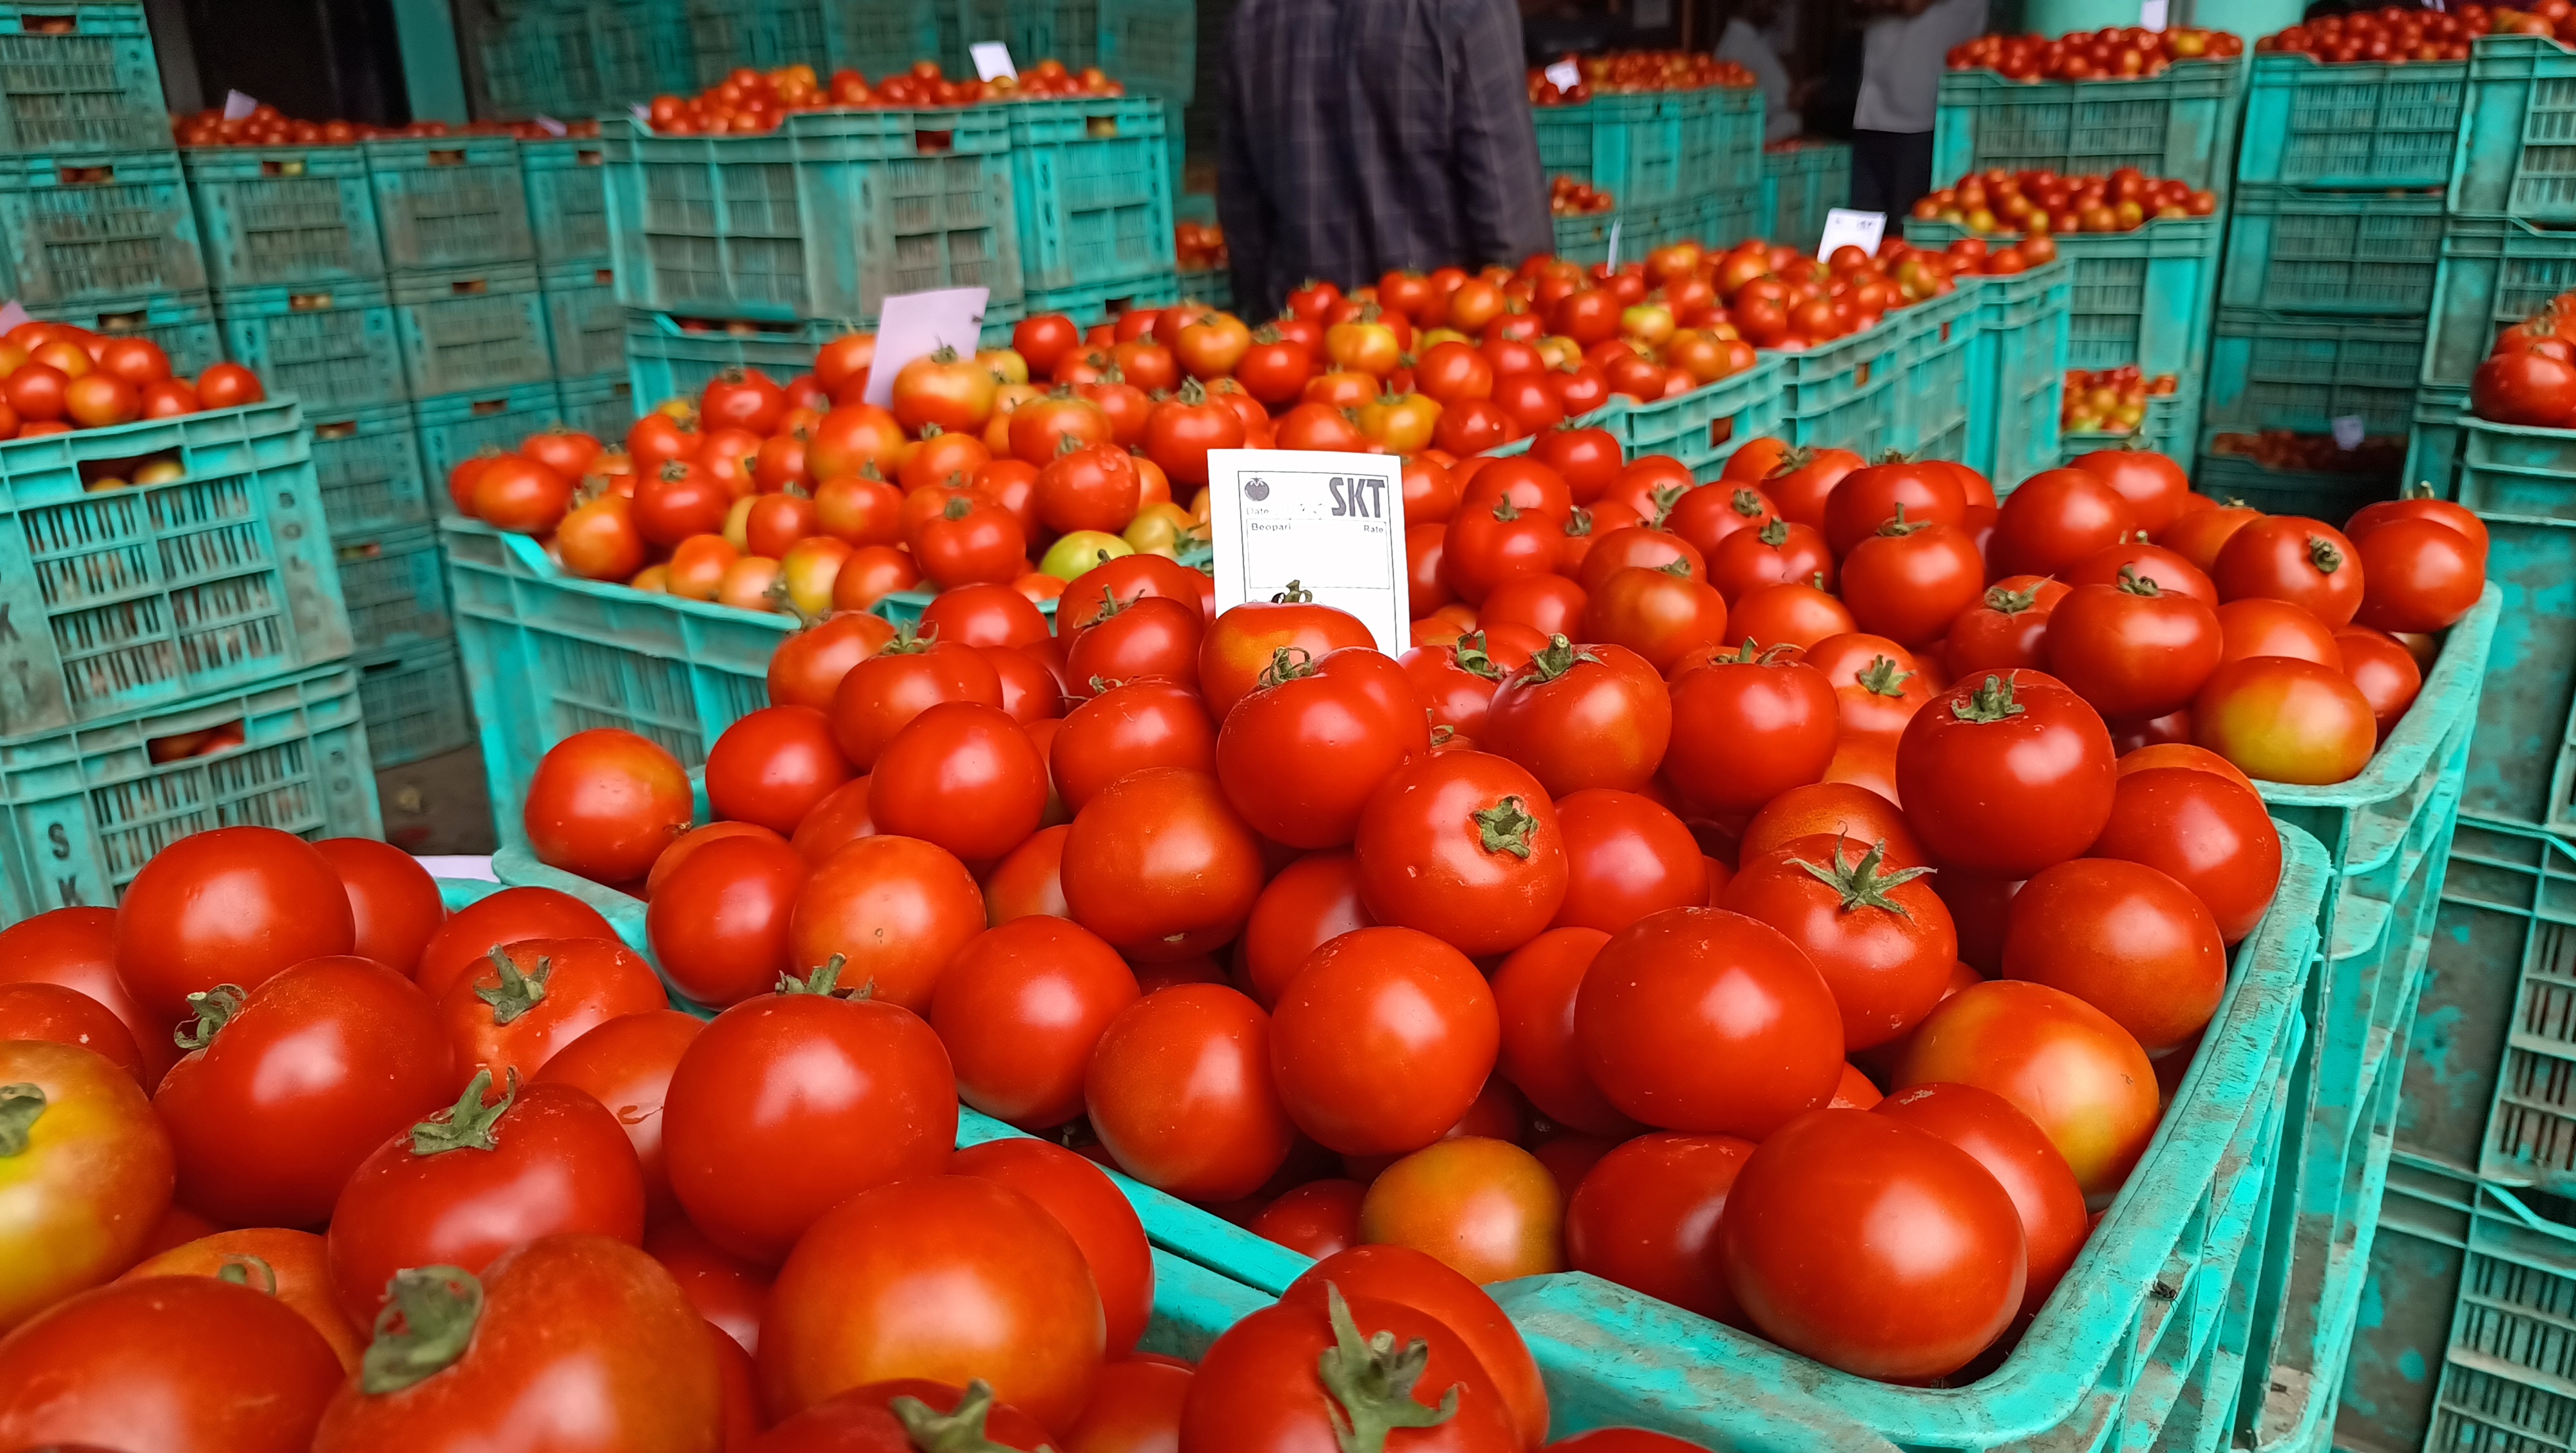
[
  {"x": 1564, "y": 75},
  {"x": 551, "y": 127},
  {"x": 642, "y": 116},
  {"x": 992, "y": 60},
  {"x": 918, "y": 324},
  {"x": 2347, "y": 432},
  {"x": 237, "y": 107},
  {"x": 11, "y": 315},
  {"x": 477, "y": 869},
  {"x": 2151, "y": 14},
  {"x": 1328, "y": 523},
  {"x": 1847, "y": 228},
  {"x": 1614, "y": 244}
]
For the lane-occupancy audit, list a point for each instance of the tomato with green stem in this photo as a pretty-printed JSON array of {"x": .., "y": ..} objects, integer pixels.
[
  {"x": 1882, "y": 939},
  {"x": 1464, "y": 846},
  {"x": 2005, "y": 774},
  {"x": 537, "y": 996},
  {"x": 1582, "y": 716},
  {"x": 86, "y": 1167},
  {"x": 1749, "y": 725}
]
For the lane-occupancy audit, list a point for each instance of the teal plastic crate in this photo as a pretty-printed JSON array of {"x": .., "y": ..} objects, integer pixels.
[
  {"x": 1722, "y": 138},
  {"x": 86, "y": 226},
  {"x": 2433, "y": 444},
  {"x": 585, "y": 328},
  {"x": 2496, "y": 271},
  {"x": 85, "y": 808},
  {"x": 602, "y": 406},
  {"x": 2310, "y": 124},
  {"x": 2513, "y": 158},
  {"x": 471, "y": 328},
  {"x": 2181, "y": 124},
  {"x": 299, "y": 216},
  {"x": 2306, "y": 252},
  {"x": 135, "y": 599},
  {"x": 1729, "y": 218},
  {"x": 567, "y": 200},
  {"x": 1212, "y": 286},
  {"x": 2314, "y": 494},
  {"x": 1151, "y": 47},
  {"x": 182, "y": 323},
  {"x": 643, "y": 50},
  {"x": 1585, "y": 238},
  {"x": 2407, "y": 1304},
  {"x": 2523, "y": 769},
  {"x": 2017, "y": 373},
  {"x": 367, "y": 463},
  {"x": 414, "y": 702},
  {"x": 666, "y": 358},
  {"x": 537, "y": 61},
  {"x": 450, "y": 201},
  {"x": 2115, "y": 1355},
  {"x": 1844, "y": 394},
  {"x": 455, "y": 427},
  {"x": 2171, "y": 428},
  {"x": 964, "y": 22},
  {"x": 1628, "y": 145},
  {"x": 2268, "y": 371},
  {"x": 2142, "y": 297},
  {"x": 79, "y": 76},
  {"x": 396, "y": 590},
  {"x": 1092, "y": 186},
  {"x": 1704, "y": 427},
  {"x": 1933, "y": 397},
  {"x": 761, "y": 34},
  {"x": 1801, "y": 182},
  {"x": 1064, "y": 30},
  {"x": 1643, "y": 229},
  {"x": 893, "y": 201},
  {"x": 1102, "y": 303},
  {"x": 332, "y": 345}
]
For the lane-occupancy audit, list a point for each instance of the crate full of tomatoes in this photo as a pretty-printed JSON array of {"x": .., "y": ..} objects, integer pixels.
[
  {"x": 2165, "y": 102},
  {"x": 2370, "y": 99},
  {"x": 1650, "y": 126}
]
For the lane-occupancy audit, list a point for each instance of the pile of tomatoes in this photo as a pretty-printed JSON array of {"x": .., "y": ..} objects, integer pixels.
[
  {"x": 1621, "y": 72},
  {"x": 59, "y": 377},
  {"x": 2393, "y": 33},
  {"x": 2110, "y": 400},
  {"x": 265, "y": 125},
  {"x": 468, "y": 1181},
  {"x": 1567, "y": 197},
  {"x": 750, "y": 101},
  {"x": 2043, "y": 202},
  {"x": 2529, "y": 376},
  {"x": 2380, "y": 457},
  {"x": 1200, "y": 246},
  {"x": 2109, "y": 54}
]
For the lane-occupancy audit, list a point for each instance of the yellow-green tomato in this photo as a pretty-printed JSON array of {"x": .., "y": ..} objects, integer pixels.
[
  {"x": 1081, "y": 550},
  {"x": 85, "y": 1174}
]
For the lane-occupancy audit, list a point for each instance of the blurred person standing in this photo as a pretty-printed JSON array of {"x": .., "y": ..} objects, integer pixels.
[
  {"x": 1361, "y": 136},
  {"x": 1747, "y": 42},
  {"x": 1903, "y": 46}
]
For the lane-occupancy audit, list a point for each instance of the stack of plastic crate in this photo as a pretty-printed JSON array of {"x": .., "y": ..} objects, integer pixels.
[
  {"x": 1679, "y": 166},
  {"x": 585, "y": 328}
]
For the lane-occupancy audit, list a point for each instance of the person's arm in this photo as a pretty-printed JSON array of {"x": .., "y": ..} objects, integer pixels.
[
  {"x": 1502, "y": 193},
  {"x": 1242, "y": 208}
]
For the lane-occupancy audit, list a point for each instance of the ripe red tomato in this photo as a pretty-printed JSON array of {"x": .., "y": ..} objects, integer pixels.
[
  {"x": 2302, "y": 561},
  {"x": 1180, "y": 1091},
  {"x": 2205, "y": 831},
  {"x": 1657, "y": 613},
  {"x": 2154, "y": 485},
  {"x": 1582, "y": 716},
  {"x": 537, "y": 996},
  {"x": 1880, "y": 936},
  {"x": 1381, "y": 1041},
  {"x": 2384, "y": 671},
  {"x": 1091, "y": 1208},
  {"x": 465, "y": 942},
  {"x": 772, "y": 766},
  {"x": 234, "y": 905},
  {"x": 808, "y": 666},
  {"x": 1410, "y": 1278},
  {"x": 1479, "y": 1203},
  {"x": 229, "y": 386},
  {"x": 1299, "y": 756},
  {"x": 178, "y": 1362},
  {"x": 1464, "y": 846},
  {"x": 2519, "y": 387},
  {"x": 2020, "y": 1158},
  {"x": 2256, "y": 626},
  {"x": 1161, "y": 866},
  {"x": 393, "y": 901},
  {"x": 2124, "y": 938},
  {"x": 1910, "y": 582},
  {"x": 50, "y": 1012},
  {"x": 2080, "y": 1077},
  {"x": 290, "y": 1265},
  {"x": 1312, "y": 900},
  {"x": 1154, "y": 637},
  {"x": 89, "y": 1175},
  {"x": 1259, "y": 1387},
  {"x": 1800, "y": 481},
  {"x": 1781, "y": 550},
  {"x": 1490, "y": 545},
  {"x": 575, "y": 1339},
  {"x": 625, "y": 1064},
  {"x": 1126, "y": 729},
  {"x": 1243, "y": 642},
  {"x": 1872, "y": 1246},
  {"x": 906, "y": 676},
  {"x": 787, "y": 1104},
  {"x": 1706, "y": 1021},
  {"x": 1748, "y": 726},
  {"x": 2005, "y": 774},
  {"x": 2166, "y": 568},
  {"x": 1646, "y": 1217},
  {"x": 1135, "y": 1408},
  {"x": 2283, "y": 720},
  {"x": 740, "y": 398},
  {"x": 1020, "y": 1009},
  {"x": 75, "y": 948},
  {"x": 1534, "y": 992},
  {"x": 518, "y": 494},
  {"x": 2007, "y": 629},
  {"x": 604, "y": 803},
  {"x": 2056, "y": 518},
  {"x": 893, "y": 909},
  {"x": 1626, "y": 856},
  {"x": 963, "y": 776},
  {"x": 1868, "y": 499},
  {"x": 1316, "y": 1219},
  {"x": 2418, "y": 575},
  {"x": 2134, "y": 651}
]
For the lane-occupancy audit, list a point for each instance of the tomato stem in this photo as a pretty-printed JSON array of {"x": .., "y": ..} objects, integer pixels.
[
  {"x": 1556, "y": 658},
  {"x": 1663, "y": 500},
  {"x": 213, "y": 1009},
  {"x": 1990, "y": 702},
  {"x": 1899, "y": 527},
  {"x": 1775, "y": 534},
  {"x": 1295, "y": 594},
  {"x": 2132, "y": 583},
  {"x": 1281, "y": 668},
  {"x": 959, "y": 1432},
  {"x": 826, "y": 981},
  {"x": 2010, "y": 602},
  {"x": 2323, "y": 555},
  {"x": 516, "y": 993},
  {"x": 1881, "y": 678},
  {"x": 1505, "y": 827},
  {"x": 1371, "y": 1382},
  {"x": 1864, "y": 883},
  {"x": 1749, "y": 503},
  {"x": 469, "y": 1121},
  {"x": 1579, "y": 522},
  {"x": 249, "y": 1271},
  {"x": 428, "y": 1319},
  {"x": 1470, "y": 654},
  {"x": 1793, "y": 461},
  {"x": 20, "y": 1107},
  {"x": 909, "y": 640}
]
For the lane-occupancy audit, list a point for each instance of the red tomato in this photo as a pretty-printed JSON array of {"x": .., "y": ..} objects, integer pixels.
[
  {"x": 1748, "y": 726},
  {"x": 1160, "y": 865},
  {"x": 1482, "y": 1206},
  {"x": 1782, "y": 550},
  {"x": 231, "y": 906},
  {"x": 1129, "y": 728},
  {"x": 1135, "y": 1408},
  {"x": 1464, "y": 846},
  {"x": 1020, "y": 1009},
  {"x": 1867, "y": 500},
  {"x": 2302, "y": 561},
  {"x": 721, "y": 922},
  {"x": 2007, "y": 629},
  {"x": 1831, "y": 808},
  {"x": 1646, "y": 1217},
  {"x": 897, "y": 1414},
  {"x": 787, "y": 1104},
  {"x": 1410, "y": 1278},
  {"x": 1319, "y": 1218},
  {"x": 1312, "y": 900},
  {"x": 2080, "y": 1077},
  {"x": 1801, "y": 481},
  {"x": 963, "y": 776},
  {"x": 89, "y": 1177},
  {"x": 1872, "y": 1246},
  {"x": 1710, "y": 1022},
  {"x": 1582, "y": 716},
  {"x": 2056, "y": 518},
  {"x": 76, "y": 949},
  {"x": 1909, "y": 582},
  {"x": 1092, "y": 1210},
  {"x": 905, "y": 677},
  {"x": 772, "y": 766},
  {"x": 1299, "y": 755},
  {"x": 1180, "y": 1092},
  {"x": 229, "y": 386},
  {"x": 604, "y": 803},
  {"x": 393, "y": 901},
  {"x": 1382, "y": 1040},
  {"x": 2256, "y": 626},
  {"x": 2167, "y": 569},
  {"x": 2124, "y": 938},
  {"x": 465, "y": 942},
  {"x": 2022, "y": 1161},
  {"x": 290, "y": 1265},
  {"x": 2003, "y": 775},
  {"x": 1880, "y": 937},
  {"x": 2418, "y": 575},
  {"x": 191, "y": 1363},
  {"x": 1260, "y": 1390},
  {"x": 50, "y": 1012},
  {"x": 2384, "y": 671},
  {"x": 574, "y": 1339},
  {"x": 2205, "y": 831},
  {"x": 537, "y": 996},
  {"x": 2133, "y": 651},
  {"x": 1152, "y": 637},
  {"x": 1534, "y": 991},
  {"x": 2283, "y": 720},
  {"x": 625, "y": 1064},
  {"x": 1626, "y": 856},
  {"x": 1242, "y": 643},
  {"x": 2154, "y": 485}
]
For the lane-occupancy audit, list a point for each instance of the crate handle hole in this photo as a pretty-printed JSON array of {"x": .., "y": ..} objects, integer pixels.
[
  {"x": 48, "y": 25},
  {"x": 123, "y": 322},
  {"x": 447, "y": 157},
  {"x": 1860, "y": 376},
  {"x": 603, "y": 276},
  {"x": 934, "y": 141},
  {"x": 1100, "y": 128},
  {"x": 203, "y": 742},
  {"x": 469, "y": 287},
  {"x": 85, "y": 176},
  {"x": 485, "y": 407},
  {"x": 307, "y": 302},
  {"x": 292, "y": 166},
  {"x": 588, "y": 158},
  {"x": 1720, "y": 431},
  {"x": 366, "y": 550},
  {"x": 326, "y": 433}
]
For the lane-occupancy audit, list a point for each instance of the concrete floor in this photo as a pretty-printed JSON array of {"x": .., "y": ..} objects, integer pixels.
[{"x": 439, "y": 805}]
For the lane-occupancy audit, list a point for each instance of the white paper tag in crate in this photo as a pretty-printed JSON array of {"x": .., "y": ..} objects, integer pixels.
[
  {"x": 551, "y": 127},
  {"x": 237, "y": 107},
  {"x": 992, "y": 60},
  {"x": 914, "y": 325},
  {"x": 1564, "y": 75},
  {"x": 2347, "y": 432},
  {"x": 1614, "y": 245},
  {"x": 1332, "y": 524},
  {"x": 2152, "y": 14},
  {"x": 1847, "y": 228},
  {"x": 11, "y": 315}
]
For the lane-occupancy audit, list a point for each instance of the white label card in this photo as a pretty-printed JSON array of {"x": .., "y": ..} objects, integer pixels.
[
  {"x": 916, "y": 324},
  {"x": 2151, "y": 14},
  {"x": 11, "y": 315},
  {"x": 1614, "y": 244},
  {"x": 641, "y": 115},
  {"x": 1332, "y": 524},
  {"x": 1564, "y": 75},
  {"x": 477, "y": 869},
  {"x": 237, "y": 107},
  {"x": 992, "y": 60},
  {"x": 2348, "y": 432},
  {"x": 551, "y": 127},
  {"x": 1847, "y": 228}
]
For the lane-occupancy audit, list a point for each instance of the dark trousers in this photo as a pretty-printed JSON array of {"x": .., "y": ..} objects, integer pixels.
[{"x": 1890, "y": 170}]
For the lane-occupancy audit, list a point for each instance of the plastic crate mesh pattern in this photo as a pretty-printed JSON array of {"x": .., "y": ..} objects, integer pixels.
[
  {"x": 70, "y": 90},
  {"x": 368, "y": 478},
  {"x": 110, "y": 238},
  {"x": 272, "y": 786},
  {"x": 2391, "y": 125},
  {"x": 456, "y": 211},
  {"x": 327, "y": 359},
  {"x": 2107, "y": 133},
  {"x": 2323, "y": 257},
  {"x": 292, "y": 226},
  {"x": 2308, "y": 377}
]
